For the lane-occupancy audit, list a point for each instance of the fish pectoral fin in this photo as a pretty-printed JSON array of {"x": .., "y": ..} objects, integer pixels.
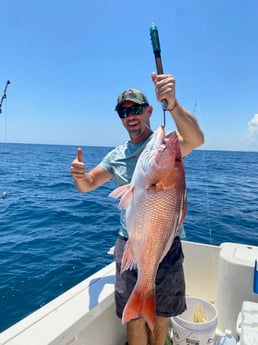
[
  {"x": 154, "y": 187},
  {"x": 157, "y": 187},
  {"x": 141, "y": 303}
]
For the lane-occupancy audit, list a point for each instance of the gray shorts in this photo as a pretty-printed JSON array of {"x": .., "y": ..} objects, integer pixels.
[{"x": 170, "y": 282}]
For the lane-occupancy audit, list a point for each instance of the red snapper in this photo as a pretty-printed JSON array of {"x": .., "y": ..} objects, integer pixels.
[{"x": 155, "y": 203}]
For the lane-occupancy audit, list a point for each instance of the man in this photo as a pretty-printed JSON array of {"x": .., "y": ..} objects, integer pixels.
[{"x": 135, "y": 111}]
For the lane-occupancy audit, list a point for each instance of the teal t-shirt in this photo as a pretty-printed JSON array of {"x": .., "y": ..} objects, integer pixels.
[{"x": 120, "y": 162}]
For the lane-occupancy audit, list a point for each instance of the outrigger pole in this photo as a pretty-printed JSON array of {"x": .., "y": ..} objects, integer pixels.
[{"x": 4, "y": 95}]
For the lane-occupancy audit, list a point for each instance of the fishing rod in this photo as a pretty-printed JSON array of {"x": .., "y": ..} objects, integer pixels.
[
  {"x": 4, "y": 95},
  {"x": 157, "y": 53}
]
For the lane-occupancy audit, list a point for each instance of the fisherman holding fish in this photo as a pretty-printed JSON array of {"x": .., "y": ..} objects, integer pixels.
[{"x": 148, "y": 170}]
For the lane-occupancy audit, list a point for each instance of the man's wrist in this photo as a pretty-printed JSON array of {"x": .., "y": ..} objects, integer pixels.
[{"x": 174, "y": 106}]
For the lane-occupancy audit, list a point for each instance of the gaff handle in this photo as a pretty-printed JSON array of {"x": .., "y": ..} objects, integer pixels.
[{"x": 156, "y": 50}]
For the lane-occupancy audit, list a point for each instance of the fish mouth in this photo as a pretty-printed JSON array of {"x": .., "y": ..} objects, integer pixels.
[
  {"x": 165, "y": 139},
  {"x": 159, "y": 134},
  {"x": 161, "y": 143},
  {"x": 170, "y": 138}
]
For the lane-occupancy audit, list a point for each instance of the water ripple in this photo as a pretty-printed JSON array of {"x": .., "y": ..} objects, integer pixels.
[{"x": 52, "y": 236}]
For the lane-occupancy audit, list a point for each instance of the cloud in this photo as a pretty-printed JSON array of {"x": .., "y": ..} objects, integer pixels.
[
  {"x": 250, "y": 138},
  {"x": 253, "y": 126}
]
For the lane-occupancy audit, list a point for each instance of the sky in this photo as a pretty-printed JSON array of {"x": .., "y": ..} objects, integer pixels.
[{"x": 67, "y": 61}]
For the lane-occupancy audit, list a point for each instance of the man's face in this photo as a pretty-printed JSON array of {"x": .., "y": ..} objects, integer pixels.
[{"x": 137, "y": 125}]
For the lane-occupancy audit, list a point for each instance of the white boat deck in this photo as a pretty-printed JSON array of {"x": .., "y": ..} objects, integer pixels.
[{"x": 85, "y": 314}]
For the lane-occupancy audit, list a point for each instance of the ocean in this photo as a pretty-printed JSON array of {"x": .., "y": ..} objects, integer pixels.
[{"x": 52, "y": 237}]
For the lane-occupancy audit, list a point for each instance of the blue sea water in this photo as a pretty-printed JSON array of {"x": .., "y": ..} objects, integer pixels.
[{"x": 52, "y": 237}]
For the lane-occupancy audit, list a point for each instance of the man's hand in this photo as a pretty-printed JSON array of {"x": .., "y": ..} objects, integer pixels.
[
  {"x": 78, "y": 166},
  {"x": 165, "y": 85}
]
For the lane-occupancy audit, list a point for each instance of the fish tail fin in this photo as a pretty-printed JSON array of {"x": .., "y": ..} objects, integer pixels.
[{"x": 141, "y": 304}]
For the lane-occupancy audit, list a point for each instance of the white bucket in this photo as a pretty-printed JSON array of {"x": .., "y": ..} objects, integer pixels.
[{"x": 188, "y": 332}]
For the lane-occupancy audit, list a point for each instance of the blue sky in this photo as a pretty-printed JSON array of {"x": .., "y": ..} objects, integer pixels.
[{"x": 68, "y": 61}]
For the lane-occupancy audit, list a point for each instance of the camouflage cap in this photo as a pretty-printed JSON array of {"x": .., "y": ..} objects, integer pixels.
[{"x": 133, "y": 95}]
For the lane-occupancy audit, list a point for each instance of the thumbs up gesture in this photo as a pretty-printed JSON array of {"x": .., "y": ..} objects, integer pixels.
[{"x": 78, "y": 166}]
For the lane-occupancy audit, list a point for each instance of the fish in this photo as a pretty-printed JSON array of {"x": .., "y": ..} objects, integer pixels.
[{"x": 155, "y": 207}]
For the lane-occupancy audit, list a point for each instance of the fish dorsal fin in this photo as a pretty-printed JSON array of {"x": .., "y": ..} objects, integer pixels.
[{"x": 125, "y": 192}]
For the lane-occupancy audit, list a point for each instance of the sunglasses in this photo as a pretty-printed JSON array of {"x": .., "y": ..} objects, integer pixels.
[{"x": 135, "y": 109}]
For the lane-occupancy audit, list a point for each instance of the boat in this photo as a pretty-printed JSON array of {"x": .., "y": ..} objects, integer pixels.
[{"x": 224, "y": 275}]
